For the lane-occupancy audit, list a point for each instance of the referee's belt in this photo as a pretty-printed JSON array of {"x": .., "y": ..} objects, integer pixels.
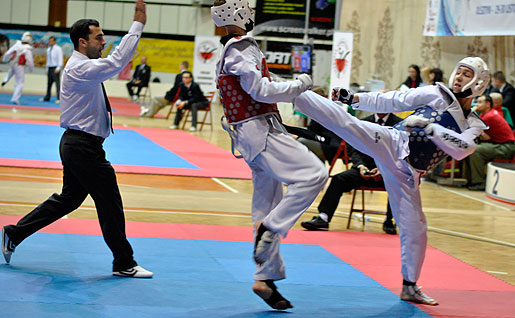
[{"x": 85, "y": 135}]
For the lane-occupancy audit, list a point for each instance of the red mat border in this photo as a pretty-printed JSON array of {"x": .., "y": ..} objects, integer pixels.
[{"x": 222, "y": 165}]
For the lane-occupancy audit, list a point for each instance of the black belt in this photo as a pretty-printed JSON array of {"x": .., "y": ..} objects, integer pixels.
[{"x": 85, "y": 134}]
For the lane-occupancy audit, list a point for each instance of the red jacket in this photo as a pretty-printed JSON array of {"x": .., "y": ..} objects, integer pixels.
[{"x": 499, "y": 131}]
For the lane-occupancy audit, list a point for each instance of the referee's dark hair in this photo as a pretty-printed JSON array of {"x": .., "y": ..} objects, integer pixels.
[{"x": 80, "y": 29}]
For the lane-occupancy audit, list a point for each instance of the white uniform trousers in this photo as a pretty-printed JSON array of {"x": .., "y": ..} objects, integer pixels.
[
  {"x": 282, "y": 160},
  {"x": 19, "y": 79},
  {"x": 388, "y": 146}
]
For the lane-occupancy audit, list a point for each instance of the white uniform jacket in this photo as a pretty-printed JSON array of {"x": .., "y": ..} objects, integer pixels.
[
  {"x": 242, "y": 57},
  {"x": 16, "y": 51},
  {"x": 440, "y": 98}
]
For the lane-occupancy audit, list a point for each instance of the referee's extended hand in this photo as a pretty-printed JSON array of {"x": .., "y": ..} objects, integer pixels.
[{"x": 140, "y": 14}]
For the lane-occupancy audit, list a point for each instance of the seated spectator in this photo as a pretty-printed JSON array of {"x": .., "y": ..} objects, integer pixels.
[
  {"x": 497, "y": 141},
  {"x": 140, "y": 78},
  {"x": 497, "y": 100},
  {"x": 435, "y": 76},
  {"x": 507, "y": 91},
  {"x": 425, "y": 75},
  {"x": 414, "y": 80},
  {"x": 326, "y": 150},
  {"x": 160, "y": 102},
  {"x": 190, "y": 97},
  {"x": 490, "y": 87},
  {"x": 363, "y": 173}
]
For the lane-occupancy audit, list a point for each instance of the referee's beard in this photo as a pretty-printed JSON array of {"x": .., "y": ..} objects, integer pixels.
[{"x": 94, "y": 52}]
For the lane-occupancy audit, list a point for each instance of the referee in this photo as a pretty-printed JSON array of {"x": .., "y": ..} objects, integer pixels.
[{"x": 86, "y": 116}]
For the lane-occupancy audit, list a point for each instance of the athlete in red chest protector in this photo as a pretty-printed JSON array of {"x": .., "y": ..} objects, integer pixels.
[
  {"x": 19, "y": 56},
  {"x": 249, "y": 99}
]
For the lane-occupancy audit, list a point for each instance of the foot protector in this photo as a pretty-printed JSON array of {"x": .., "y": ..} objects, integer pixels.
[
  {"x": 271, "y": 296},
  {"x": 263, "y": 243}
]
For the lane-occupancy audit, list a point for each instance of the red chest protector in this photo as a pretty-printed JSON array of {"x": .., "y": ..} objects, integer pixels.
[
  {"x": 238, "y": 105},
  {"x": 22, "y": 60}
]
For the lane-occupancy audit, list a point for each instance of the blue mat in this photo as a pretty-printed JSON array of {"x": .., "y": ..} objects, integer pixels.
[
  {"x": 29, "y": 100},
  {"x": 61, "y": 275},
  {"x": 126, "y": 147}
]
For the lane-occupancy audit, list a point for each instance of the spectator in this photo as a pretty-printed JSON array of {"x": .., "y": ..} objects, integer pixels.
[
  {"x": 19, "y": 55},
  {"x": 497, "y": 141},
  {"x": 161, "y": 101},
  {"x": 507, "y": 91},
  {"x": 425, "y": 75},
  {"x": 190, "y": 97},
  {"x": 140, "y": 78},
  {"x": 435, "y": 76},
  {"x": 54, "y": 64},
  {"x": 414, "y": 80},
  {"x": 497, "y": 105},
  {"x": 363, "y": 173},
  {"x": 4, "y": 44}
]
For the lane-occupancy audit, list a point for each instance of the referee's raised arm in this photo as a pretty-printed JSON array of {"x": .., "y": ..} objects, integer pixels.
[{"x": 141, "y": 14}]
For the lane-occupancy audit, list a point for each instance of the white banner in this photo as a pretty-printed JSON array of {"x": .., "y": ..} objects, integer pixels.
[
  {"x": 341, "y": 61},
  {"x": 204, "y": 61},
  {"x": 470, "y": 17}
]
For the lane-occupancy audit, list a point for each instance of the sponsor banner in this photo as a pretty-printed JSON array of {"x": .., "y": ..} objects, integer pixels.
[
  {"x": 40, "y": 43},
  {"x": 165, "y": 55},
  {"x": 341, "y": 60},
  {"x": 278, "y": 58},
  {"x": 207, "y": 52},
  {"x": 470, "y": 17},
  {"x": 286, "y": 18}
]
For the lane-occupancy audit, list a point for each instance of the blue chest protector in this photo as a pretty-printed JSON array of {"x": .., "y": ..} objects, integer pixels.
[{"x": 424, "y": 154}]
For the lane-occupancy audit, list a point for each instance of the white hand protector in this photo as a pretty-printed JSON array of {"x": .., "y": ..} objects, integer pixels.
[
  {"x": 416, "y": 121},
  {"x": 305, "y": 82},
  {"x": 420, "y": 122}
]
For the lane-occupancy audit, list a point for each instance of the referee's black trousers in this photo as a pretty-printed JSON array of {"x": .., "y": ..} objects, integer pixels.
[
  {"x": 52, "y": 77},
  {"x": 85, "y": 171}
]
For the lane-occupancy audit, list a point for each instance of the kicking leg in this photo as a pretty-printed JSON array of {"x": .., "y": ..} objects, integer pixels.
[{"x": 369, "y": 138}]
